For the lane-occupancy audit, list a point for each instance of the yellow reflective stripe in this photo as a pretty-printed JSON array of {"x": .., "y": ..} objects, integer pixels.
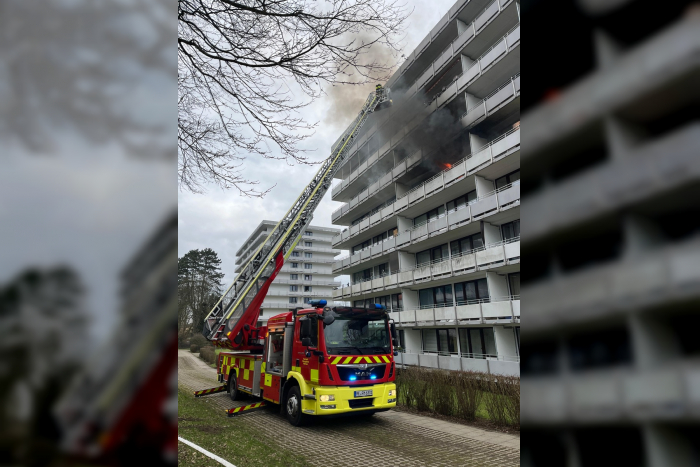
[
  {"x": 336, "y": 360},
  {"x": 347, "y": 360},
  {"x": 386, "y": 359},
  {"x": 358, "y": 359},
  {"x": 376, "y": 359},
  {"x": 368, "y": 360},
  {"x": 314, "y": 376}
]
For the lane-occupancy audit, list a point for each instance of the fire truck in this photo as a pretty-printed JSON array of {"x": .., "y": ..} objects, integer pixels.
[{"x": 316, "y": 361}]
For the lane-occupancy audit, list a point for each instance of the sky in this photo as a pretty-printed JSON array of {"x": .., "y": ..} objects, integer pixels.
[{"x": 223, "y": 220}]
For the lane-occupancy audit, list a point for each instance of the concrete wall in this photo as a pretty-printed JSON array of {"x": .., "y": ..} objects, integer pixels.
[{"x": 505, "y": 341}]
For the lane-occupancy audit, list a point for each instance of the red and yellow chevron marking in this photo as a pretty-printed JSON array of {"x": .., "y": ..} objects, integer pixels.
[
  {"x": 239, "y": 410},
  {"x": 364, "y": 359},
  {"x": 206, "y": 392}
]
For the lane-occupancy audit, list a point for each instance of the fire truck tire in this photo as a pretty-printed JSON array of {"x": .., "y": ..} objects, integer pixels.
[
  {"x": 233, "y": 391},
  {"x": 292, "y": 407}
]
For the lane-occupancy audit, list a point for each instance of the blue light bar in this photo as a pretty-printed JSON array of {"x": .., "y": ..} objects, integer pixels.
[
  {"x": 373, "y": 377},
  {"x": 379, "y": 307},
  {"x": 353, "y": 378},
  {"x": 318, "y": 303}
]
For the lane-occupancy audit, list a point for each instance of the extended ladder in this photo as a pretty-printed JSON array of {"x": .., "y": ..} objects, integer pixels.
[{"x": 239, "y": 307}]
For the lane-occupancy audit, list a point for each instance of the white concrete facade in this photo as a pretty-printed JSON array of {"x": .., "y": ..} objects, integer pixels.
[
  {"x": 432, "y": 196},
  {"x": 306, "y": 275}
]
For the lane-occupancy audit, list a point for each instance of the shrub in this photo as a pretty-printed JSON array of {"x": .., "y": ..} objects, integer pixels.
[
  {"x": 200, "y": 340},
  {"x": 468, "y": 394},
  {"x": 503, "y": 399},
  {"x": 194, "y": 348},
  {"x": 208, "y": 354}
]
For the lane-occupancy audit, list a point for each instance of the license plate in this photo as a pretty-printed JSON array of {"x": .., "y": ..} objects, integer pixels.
[{"x": 365, "y": 393}]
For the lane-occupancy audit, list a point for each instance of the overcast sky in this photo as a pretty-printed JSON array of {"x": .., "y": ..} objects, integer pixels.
[{"x": 223, "y": 220}]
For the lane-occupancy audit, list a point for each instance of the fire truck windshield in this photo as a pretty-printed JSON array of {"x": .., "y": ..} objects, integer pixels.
[{"x": 357, "y": 336}]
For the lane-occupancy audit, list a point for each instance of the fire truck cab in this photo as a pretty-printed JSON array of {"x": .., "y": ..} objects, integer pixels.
[{"x": 319, "y": 361}]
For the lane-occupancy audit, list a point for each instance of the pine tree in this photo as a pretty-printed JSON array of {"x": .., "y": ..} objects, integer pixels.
[{"x": 199, "y": 286}]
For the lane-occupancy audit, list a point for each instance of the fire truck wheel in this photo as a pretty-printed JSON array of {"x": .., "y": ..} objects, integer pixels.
[
  {"x": 292, "y": 405},
  {"x": 233, "y": 392}
]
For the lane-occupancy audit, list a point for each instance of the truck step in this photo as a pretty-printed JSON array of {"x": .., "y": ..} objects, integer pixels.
[
  {"x": 245, "y": 409},
  {"x": 206, "y": 392}
]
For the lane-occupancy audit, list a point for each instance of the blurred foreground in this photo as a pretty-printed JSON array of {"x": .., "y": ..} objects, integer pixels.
[
  {"x": 88, "y": 252},
  {"x": 611, "y": 235}
]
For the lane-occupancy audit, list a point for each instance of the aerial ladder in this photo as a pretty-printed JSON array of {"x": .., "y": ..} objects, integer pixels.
[{"x": 231, "y": 323}]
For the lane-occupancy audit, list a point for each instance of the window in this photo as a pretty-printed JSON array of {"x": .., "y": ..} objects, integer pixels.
[
  {"x": 402, "y": 340},
  {"x": 292, "y": 299},
  {"x": 461, "y": 202},
  {"x": 307, "y": 299},
  {"x": 308, "y": 254},
  {"x": 506, "y": 179},
  {"x": 514, "y": 283},
  {"x": 443, "y": 341},
  {"x": 295, "y": 265},
  {"x": 383, "y": 269},
  {"x": 466, "y": 244},
  {"x": 309, "y": 234},
  {"x": 308, "y": 266},
  {"x": 275, "y": 353},
  {"x": 362, "y": 275},
  {"x": 433, "y": 254},
  {"x": 307, "y": 288},
  {"x": 429, "y": 216},
  {"x": 295, "y": 254},
  {"x": 307, "y": 243},
  {"x": 294, "y": 277},
  {"x": 511, "y": 230},
  {"x": 361, "y": 246},
  {"x": 436, "y": 296},
  {"x": 477, "y": 342},
  {"x": 383, "y": 300},
  {"x": 293, "y": 288},
  {"x": 307, "y": 277},
  {"x": 397, "y": 301},
  {"x": 467, "y": 293}
]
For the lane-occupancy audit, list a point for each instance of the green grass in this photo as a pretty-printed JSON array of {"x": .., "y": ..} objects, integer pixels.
[{"x": 228, "y": 438}]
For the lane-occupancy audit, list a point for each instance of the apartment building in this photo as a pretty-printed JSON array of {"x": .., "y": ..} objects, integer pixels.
[
  {"x": 431, "y": 196},
  {"x": 611, "y": 223},
  {"x": 306, "y": 275}
]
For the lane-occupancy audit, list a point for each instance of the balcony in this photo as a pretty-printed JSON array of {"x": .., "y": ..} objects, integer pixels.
[
  {"x": 480, "y": 159},
  {"x": 489, "y": 25},
  {"x": 495, "y": 310},
  {"x": 499, "y": 254},
  {"x": 501, "y": 365},
  {"x": 501, "y": 101}
]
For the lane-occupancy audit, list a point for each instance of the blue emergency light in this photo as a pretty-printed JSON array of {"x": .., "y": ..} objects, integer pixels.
[
  {"x": 379, "y": 307},
  {"x": 317, "y": 303}
]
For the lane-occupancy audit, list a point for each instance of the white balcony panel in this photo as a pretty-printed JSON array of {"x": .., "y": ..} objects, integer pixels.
[
  {"x": 378, "y": 283},
  {"x": 372, "y": 159},
  {"x": 442, "y": 269},
  {"x": 376, "y": 250},
  {"x": 506, "y": 144},
  {"x": 475, "y": 364},
  {"x": 595, "y": 394},
  {"x": 484, "y": 17},
  {"x": 468, "y": 76},
  {"x": 419, "y": 232},
  {"x": 406, "y": 277},
  {"x": 365, "y": 255},
  {"x": 413, "y": 159},
  {"x": 500, "y": 367},
  {"x": 366, "y": 286},
  {"x": 512, "y": 250},
  {"x": 462, "y": 40},
  {"x": 493, "y": 54},
  {"x": 353, "y": 175},
  {"x": 353, "y": 202},
  {"x": 404, "y": 238},
  {"x": 437, "y": 225},
  {"x": 354, "y": 230},
  {"x": 421, "y": 273},
  {"x": 458, "y": 217},
  {"x": 653, "y": 390},
  {"x": 490, "y": 256},
  {"x": 364, "y": 224},
  {"x": 408, "y": 316},
  {"x": 354, "y": 259},
  {"x": 410, "y": 359},
  {"x": 425, "y": 77},
  {"x": 347, "y": 291},
  {"x": 346, "y": 262},
  {"x": 516, "y": 308},
  {"x": 337, "y": 293},
  {"x": 375, "y": 218},
  {"x": 448, "y": 94},
  {"x": 416, "y": 195},
  {"x": 484, "y": 206},
  {"x": 399, "y": 170},
  {"x": 385, "y": 180},
  {"x": 424, "y": 315},
  {"x": 391, "y": 280},
  {"x": 496, "y": 310},
  {"x": 480, "y": 158},
  {"x": 387, "y": 211},
  {"x": 356, "y": 289},
  {"x": 473, "y": 115},
  {"x": 363, "y": 167},
  {"x": 546, "y": 399},
  {"x": 445, "y": 313},
  {"x": 509, "y": 196},
  {"x": 449, "y": 363},
  {"x": 435, "y": 184},
  {"x": 464, "y": 263},
  {"x": 389, "y": 244},
  {"x": 498, "y": 98},
  {"x": 470, "y": 312},
  {"x": 514, "y": 37},
  {"x": 430, "y": 361},
  {"x": 401, "y": 204},
  {"x": 458, "y": 172}
]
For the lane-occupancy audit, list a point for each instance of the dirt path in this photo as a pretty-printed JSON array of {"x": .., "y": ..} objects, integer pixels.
[{"x": 387, "y": 439}]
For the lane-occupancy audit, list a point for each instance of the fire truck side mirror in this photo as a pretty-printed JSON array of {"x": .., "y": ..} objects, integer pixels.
[
  {"x": 394, "y": 339},
  {"x": 328, "y": 319},
  {"x": 305, "y": 329}
]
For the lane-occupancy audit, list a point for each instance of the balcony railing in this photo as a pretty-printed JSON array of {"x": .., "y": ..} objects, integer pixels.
[{"x": 500, "y": 365}]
